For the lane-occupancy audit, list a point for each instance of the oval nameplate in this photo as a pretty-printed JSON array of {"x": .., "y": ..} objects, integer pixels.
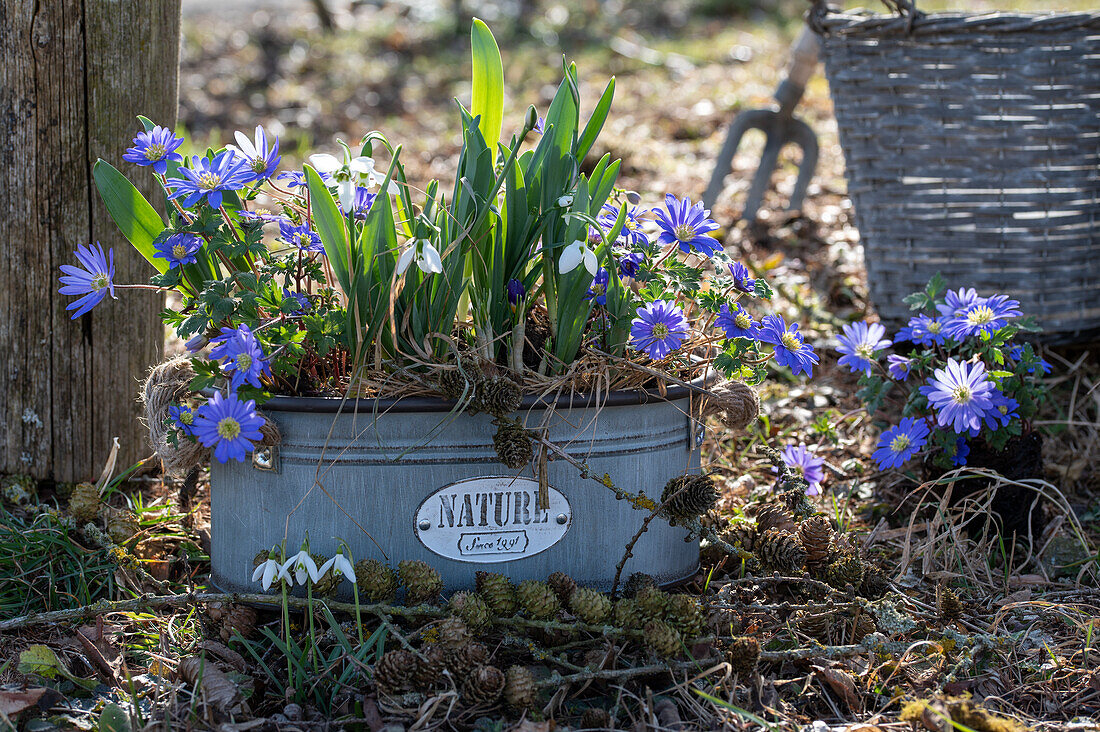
[{"x": 491, "y": 519}]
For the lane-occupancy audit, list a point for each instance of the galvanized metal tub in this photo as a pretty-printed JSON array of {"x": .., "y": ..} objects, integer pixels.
[{"x": 371, "y": 473}]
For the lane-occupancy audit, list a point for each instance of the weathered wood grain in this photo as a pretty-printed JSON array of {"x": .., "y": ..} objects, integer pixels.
[{"x": 73, "y": 76}]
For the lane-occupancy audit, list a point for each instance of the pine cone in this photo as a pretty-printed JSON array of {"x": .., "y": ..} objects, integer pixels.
[
  {"x": 84, "y": 503},
  {"x": 471, "y": 608},
  {"x": 519, "y": 688},
  {"x": 512, "y": 443},
  {"x": 652, "y": 603},
  {"x": 462, "y": 662},
  {"x": 538, "y": 599},
  {"x": 217, "y": 611},
  {"x": 498, "y": 592},
  {"x": 498, "y": 396},
  {"x": 327, "y": 585},
  {"x": 377, "y": 581},
  {"x": 795, "y": 500},
  {"x": 453, "y": 633},
  {"x": 686, "y": 616},
  {"x": 595, "y": 718},
  {"x": 260, "y": 558},
  {"x": 741, "y": 535},
  {"x": 735, "y": 403},
  {"x": 780, "y": 551},
  {"x": 453, "y": 383},
  {"x": 875, "y": 583},
  {"x": 949, "y": 605},
  {"x": 662, "y": 638},
  {"x": 689, "y": 496},
  {"x": 862, "y": 626},
  {"x": 636, "y": 582},
  {"x": 422, "y": 582},
  {"x": 627, "y": 616},
  {"x": 429, "y": 670},
  {"x": 122, "y": 526},
  {"x": 238, "y": 619},
  {"x": 590, "y": 606},
  {"x": 773, "y": 516},
  {"x": 394, "y": 672},
  {"x": 563, "y": 586},
  {"x": 485, "y": 685},
  {"x": 817, "y": 539},
  {"x": 815, "y": 625},
  {"x": 844, "y": 570},
  {"x": 742, "y": 653}
]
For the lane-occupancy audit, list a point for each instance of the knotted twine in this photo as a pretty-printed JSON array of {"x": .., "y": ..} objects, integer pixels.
[
  {"x": 735, "y": 403},
  {"x": 167, "y": 385}
]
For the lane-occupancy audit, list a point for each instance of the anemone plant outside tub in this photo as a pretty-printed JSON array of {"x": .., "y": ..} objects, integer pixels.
[{"x": 505, "y": 375}]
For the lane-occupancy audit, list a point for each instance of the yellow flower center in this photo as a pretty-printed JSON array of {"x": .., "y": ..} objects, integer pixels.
[
  {"x": 742, "y": 320},
  {"x": 660, "y": 330},
  {"x": 980, "y": 315},
  {"x": 865, "y": 351},
  {"x": 155, "y": 151},
  {"x": 179, "y": 251},
  {"x": 684, "y": 232},
  {"x": 934, "y": 327},
  {"x": 961, "y": 394},
  {"x": 790, "y": 342},
  {"x": 259, "y": 165},
  {"x": 900, "y": 444},
  {"x": 209, "y": 181},
  {"x": 229, "y": 428},
  {"x": 99, "y": 282},
  {"x": 187, "y": 417},
  {"x": 597, "y": 289},
  {"x": 630, "y": 225},
  {"x": 243, "y": 361}
]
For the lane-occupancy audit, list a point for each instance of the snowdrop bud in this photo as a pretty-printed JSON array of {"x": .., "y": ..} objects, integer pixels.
[
  {"x": 566, "y": 201},
  {"x": 532, "y": 119},
  {"x": 633, "y": 197},
  {"x": 197, "y": 343}
]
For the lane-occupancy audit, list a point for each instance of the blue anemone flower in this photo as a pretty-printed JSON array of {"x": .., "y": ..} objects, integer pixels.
[
  {"x": 629, "y": 264},
  {"x": 154, "y": 148},
  {"x": 631, "y": 234},
  {"x": 362, "y": 202},
  {"x": 787, "y": 344},
  {"x": 598, "y": 289},
  {"x": 737, "y": 323},
  {"x": 962, "y": 452},
  {"x": 260, "y": 159},
  {"x": 300, "y": 236},
  {"x": 94, "y": 282},
  {"x": 183, "y": 419},
  {"x": 899, "y": 444},
  {"x": 229, "y": 426},
  {"x": 1017, "y": 355},
  {"x": 179, "y": 249},
  {"x": 859, "y": 344},
  {"x": 1000, "y": 413},
  {"x": 984, "y": 315},
  {"x": 924, "y": 331},
  {"x": 659, "y": 329},
  {"x": 898, "y": 366},
  {"x": 686, "y": 225},
  {"x": 960, "y": 393},
  {"x": 301, "y": 300},
  {"x": 957, "y": 301},
  {"x": 802, "y": 461},
  {"x": 241, "y": 355},
  {"x": 209, "y": 179},
  {"x": 741, "y": 279}
]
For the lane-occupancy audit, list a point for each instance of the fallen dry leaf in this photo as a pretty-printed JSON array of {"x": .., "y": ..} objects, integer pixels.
[
  {"x": 842, "y": 683},
  {"x": 12, "y": 702},
  {"x": 214, "y": 686}
]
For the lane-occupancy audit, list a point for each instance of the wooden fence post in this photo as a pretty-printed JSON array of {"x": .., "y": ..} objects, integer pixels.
[{"x": 73, "y": 77}]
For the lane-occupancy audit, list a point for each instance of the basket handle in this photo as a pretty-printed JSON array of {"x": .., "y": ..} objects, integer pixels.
[{"x": 904, "y": 9}]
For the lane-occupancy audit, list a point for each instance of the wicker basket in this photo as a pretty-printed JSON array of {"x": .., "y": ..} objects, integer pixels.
[{"x": 972, "y": 145}]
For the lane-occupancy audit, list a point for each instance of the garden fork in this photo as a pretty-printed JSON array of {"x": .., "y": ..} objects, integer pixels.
[{"x": 781, "y": 127}]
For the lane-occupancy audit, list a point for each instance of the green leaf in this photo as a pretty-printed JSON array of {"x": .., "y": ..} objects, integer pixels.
[
  {"x": 488, "y": 82},
  {"x": 595, "y": 122},
  {"x": 113, "y": 719},
  {"x": 138, "y": 221}
]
